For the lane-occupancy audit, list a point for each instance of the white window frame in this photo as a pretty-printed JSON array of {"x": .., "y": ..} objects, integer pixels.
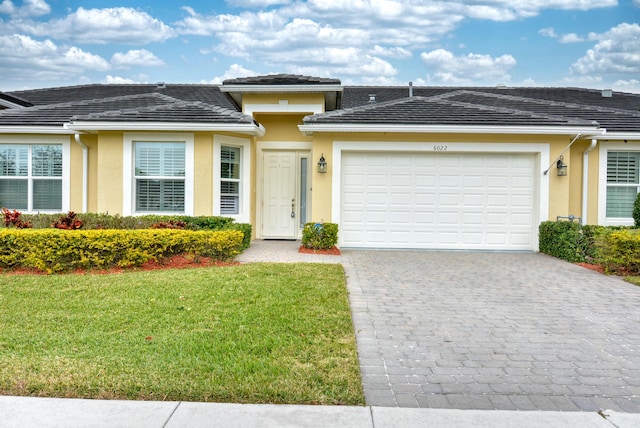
[
  {"x": 42, "y": 140},
  {"x": 128, "y": 175},
  {"x": 244, "y": 199},
  {"x": 605, "y": 148}
]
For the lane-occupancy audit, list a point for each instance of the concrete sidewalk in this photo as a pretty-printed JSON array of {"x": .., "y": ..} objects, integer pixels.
[{"x": 21, "y": 412}]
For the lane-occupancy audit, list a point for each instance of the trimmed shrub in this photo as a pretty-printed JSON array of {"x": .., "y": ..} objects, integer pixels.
[
  {"x": 563, "y": 239},
  {"x": 636, "y": 211},
  {"x": 53, "y": 250},
  {"x": 320, "y": 236},
  {"x": 619, "y": 251}
]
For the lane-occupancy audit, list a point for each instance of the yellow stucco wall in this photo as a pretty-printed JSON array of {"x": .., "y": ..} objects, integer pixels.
[
  {"x": 203, "y": 173},
  {"x": 108, "y": 172}
]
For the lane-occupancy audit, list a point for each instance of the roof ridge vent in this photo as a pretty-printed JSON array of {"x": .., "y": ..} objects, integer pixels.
[
  {"x": 161, "y": 85},
  {"x": 607, "y": 93},
  {"x": 372, "y": 98}
]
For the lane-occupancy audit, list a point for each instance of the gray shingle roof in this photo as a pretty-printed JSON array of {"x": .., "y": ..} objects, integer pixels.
[
  {"x": 497, "y": 106},
  {"x": 150, "y": 107},
  {"x": 440, "y": 110},
  {"x": 282, "y": 79}
]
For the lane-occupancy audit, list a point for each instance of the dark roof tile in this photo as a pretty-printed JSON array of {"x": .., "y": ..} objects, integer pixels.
[{"x": 282, "y": 79}]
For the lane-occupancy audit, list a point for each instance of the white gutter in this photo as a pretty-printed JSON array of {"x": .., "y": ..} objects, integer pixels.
[
  {"x": 454, "y": 129},
  {"x": 263, "y": 89},
  {"x": 35, "y": 130},
  {"x": 249, "y": 129},
  {"x": 85, "y": 172},
  {"x": 585, "y": 178}
]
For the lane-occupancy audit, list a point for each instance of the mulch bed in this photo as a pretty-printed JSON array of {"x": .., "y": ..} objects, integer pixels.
[{"x": 333, "y": 251}]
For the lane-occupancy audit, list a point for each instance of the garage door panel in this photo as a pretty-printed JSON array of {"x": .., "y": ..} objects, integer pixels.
[{"x": 438, "y": 200}]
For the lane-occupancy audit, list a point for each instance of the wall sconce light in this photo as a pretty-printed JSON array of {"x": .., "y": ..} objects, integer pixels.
[
  {"x": 322, "y": 165},
  {"x": 562, "y": 167}
]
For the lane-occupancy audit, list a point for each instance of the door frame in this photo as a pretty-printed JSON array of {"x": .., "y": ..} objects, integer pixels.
[{"x": 289, "y": 146}]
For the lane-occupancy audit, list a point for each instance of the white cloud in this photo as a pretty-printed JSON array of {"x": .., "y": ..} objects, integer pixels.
[
  {"x": 443, "y": 67},
  {"x": 256, "y": 3},
  {"x": 29, "y": 8},
  {"x": 109, "y": 79},
  {"x": 617, "y": 51},
  {"x": 571, "y": 38},
  {"x": 140, "y": 57},
  {"x": 233, "y": 72},
  {"x": 24, "y": 58},
  {"x": 548, "y": 32},
  {"x": 393, "y": 52},
  {"x": 632, "y": 85},
  {"x": 101, "y": 26}
]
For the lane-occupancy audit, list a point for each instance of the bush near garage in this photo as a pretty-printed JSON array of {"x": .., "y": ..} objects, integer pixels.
[
  {"x": 320, "y": 236},
  {"x": 615, "y": 248},
  {"x": 55, "y": 250}
]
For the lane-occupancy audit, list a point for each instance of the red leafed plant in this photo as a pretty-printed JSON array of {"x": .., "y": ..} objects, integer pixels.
[
  {"x": 171, "y": 224},
  {"x": 68, "y": 222},
  {"x": 14, "y": 218}
]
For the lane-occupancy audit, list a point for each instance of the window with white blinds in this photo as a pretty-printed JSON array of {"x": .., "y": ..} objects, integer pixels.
[
  {"x": 622, "y": 183},
  {"x": 159, "y": 176},
  {"x": 229, "y": 180},
  {"x": 31, "y": 177}
]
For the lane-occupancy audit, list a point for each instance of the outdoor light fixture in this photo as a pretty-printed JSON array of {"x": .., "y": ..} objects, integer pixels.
[
  {"x": 322, "y": 164},
  {"x": 562, "y": 167}
]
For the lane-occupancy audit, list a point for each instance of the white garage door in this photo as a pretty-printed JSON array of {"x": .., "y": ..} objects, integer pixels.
[{"x": 438, "y": 200}]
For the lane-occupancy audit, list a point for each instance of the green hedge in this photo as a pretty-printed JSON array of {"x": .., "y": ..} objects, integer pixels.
[
  {"x": 619, "y": 251},
  {"x": 564, "y": 240},
  {"x": 53, "y": 250},
  {"x": 320, "y": 236}
]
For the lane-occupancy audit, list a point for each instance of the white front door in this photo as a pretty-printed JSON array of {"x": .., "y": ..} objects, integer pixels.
[{"x": 285, "y": 193}]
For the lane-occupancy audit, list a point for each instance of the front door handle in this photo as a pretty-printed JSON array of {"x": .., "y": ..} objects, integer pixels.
[{"x": 293, "y": 208}]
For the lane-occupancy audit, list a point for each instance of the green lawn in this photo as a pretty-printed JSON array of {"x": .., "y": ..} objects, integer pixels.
[{"x": 255, "y": 333}]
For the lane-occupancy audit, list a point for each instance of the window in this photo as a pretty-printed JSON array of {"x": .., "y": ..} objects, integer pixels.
[
  {"x": 31, "y": 177},
  {"x": 229, "y": 180},
  {"x": 159, "y": 176},
  {"x": 622, "y": 183},
  {"x": 231, "y": 177}
]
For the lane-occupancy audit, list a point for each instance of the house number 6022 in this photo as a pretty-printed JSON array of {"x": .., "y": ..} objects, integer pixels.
[{"x": 439, "y": 148}]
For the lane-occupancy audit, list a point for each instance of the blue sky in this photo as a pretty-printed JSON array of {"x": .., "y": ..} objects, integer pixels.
[{"x": 585, "y": 43}]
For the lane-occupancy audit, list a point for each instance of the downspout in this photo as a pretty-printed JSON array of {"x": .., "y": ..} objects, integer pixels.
[
  {"x": 585, "y": 179},
  {"x": 85, "y": 171}
]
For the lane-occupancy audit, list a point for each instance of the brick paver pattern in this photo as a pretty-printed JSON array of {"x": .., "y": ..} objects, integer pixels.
[
  {"x": 486, "y": 330},
  {"x": 483, "y": 330}
]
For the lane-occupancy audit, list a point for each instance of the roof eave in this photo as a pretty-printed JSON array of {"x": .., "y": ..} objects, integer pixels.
[
  {"x": 619, "y": 136},
  {"x": 240, "y": 128},
  {"x": 265, "y": 89},
  {"x": 20, "y": 129},
  {"x": 309, "y": 129}
]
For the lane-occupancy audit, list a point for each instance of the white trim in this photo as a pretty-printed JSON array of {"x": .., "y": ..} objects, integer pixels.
[
  {"x": 56, "y": 130},
  {"x": 602, "y": 182},
  {"x": 249, "y": 129},
  {"x": 128, "y": 180},
  {"x": 278, "y": 89},
  {"x": 542, "y": 150},
  {"x": 619, "y": 136},
  {"x": 65, "y": 142},
  {"x": 244, "y": 144},
  {"x": 451, "y": 129},
  {"x": 9, "y": 104},
  {"x": 282, "y": 107}
]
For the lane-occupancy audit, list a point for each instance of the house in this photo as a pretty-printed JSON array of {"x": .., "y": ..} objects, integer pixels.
[{"x": 395, "y": 167}]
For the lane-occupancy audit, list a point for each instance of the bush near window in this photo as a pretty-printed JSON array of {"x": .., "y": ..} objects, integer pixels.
[
  {"x": 91, "y": 221},
  {"x": 320, "y": 236},
  {"x": 636, "y": 211},
  {"x": 55, "y": 250}
]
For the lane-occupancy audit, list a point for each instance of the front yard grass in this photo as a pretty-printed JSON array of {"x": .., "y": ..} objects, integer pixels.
[{"x": 255, "y": 333}]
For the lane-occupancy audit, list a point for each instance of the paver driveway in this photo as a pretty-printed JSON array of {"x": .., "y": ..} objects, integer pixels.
[{"x": 476, "y": 330}]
